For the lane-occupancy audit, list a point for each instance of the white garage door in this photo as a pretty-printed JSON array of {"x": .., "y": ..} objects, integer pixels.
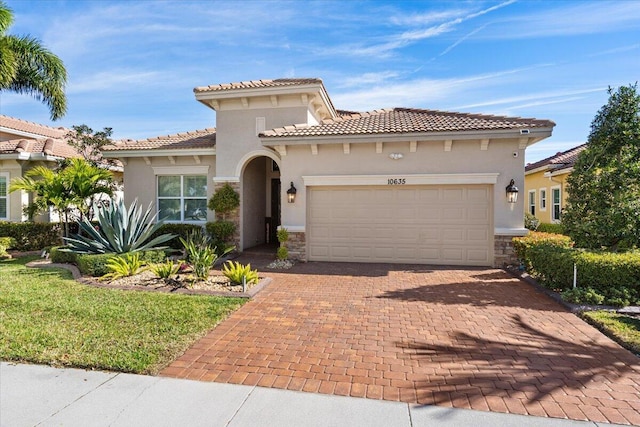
[{"x": 449, "y": 224}]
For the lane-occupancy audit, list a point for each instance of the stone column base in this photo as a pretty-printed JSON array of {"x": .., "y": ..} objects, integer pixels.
[
  {"x": 297, "y": 245},
  {"x": 504, "y": 252}
]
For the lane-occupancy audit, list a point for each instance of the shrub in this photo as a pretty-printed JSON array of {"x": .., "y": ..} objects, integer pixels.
[
  {"x": 224, "y": 200},
  {"x": 178, "y": 230},
  {"x": 552, "y": 264},
  {"x": 522, "y": 244},
  {"x": 167, "y": 269},
  {"x": 120, "y": 230},
  {"x": 583, "y": 296},
  {"x": 283, "y": 235},
  {"x": 7, "y": 242},
  {"x": 282, "y": 253},
  {"x": 236, "y": 272},
  {"x": 550, "y": 228},
  {"x": 31, "y": 236},
  {"x": 124, "y": 265},
  {"x": 62, "y": 257},
  {"x": 96, "y": 264},
  {"x": 221, "y": 230},
  {"x": 200, "y": 253},
  {"x": 531, "y": 222}
]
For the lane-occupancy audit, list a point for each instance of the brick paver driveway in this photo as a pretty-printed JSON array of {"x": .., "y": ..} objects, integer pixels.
[{"x": 467, "y": 338}]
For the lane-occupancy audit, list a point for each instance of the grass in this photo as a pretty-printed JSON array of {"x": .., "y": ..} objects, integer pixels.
[
  {"x": 624, "y": 329},
  {"x": 47, "y": 317}
]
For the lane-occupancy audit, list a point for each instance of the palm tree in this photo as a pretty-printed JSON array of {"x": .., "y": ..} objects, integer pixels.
[
  {"x": 27, "y": 67},
  {"x": 75, "y": 186}
]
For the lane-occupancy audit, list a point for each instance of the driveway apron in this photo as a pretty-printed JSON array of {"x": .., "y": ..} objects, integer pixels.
[{"x": 454, "y": 337}]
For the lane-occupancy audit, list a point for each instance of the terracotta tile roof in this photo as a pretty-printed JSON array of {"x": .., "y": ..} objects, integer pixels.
[
  {"x": 31, "y": 127},
  {"x": 406, "y": 120},
  {"x": 48, "y": 146},
  {"x": 561, "y": 160},
  {"x": 253, "y": 84},
  {"x": 205, "y": 138}
]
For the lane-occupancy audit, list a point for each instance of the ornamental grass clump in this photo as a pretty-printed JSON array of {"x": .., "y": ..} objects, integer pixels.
[{"x": 119, "y": 230}]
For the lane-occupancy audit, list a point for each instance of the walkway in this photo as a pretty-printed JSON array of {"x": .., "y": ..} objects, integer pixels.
[{"x": 462, "y": 338}]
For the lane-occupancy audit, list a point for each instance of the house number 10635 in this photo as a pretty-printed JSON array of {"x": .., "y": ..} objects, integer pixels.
[{"x": 396, "y": 181}]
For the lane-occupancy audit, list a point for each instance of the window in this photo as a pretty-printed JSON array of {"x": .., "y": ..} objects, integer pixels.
[
  {"x": 555, "y": 204},
  {"x": 4, "y": 195},
  {"x": 543, "y": 199},
  {"x": 532, "y": 202},
  {"x": 182, "y": 198}
]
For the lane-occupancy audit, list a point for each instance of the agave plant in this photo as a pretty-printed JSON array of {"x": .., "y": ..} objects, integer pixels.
[{"x": 119, "y": 230}]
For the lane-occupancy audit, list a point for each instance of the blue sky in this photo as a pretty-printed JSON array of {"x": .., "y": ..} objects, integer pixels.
[{"x": 133, "y": 65}]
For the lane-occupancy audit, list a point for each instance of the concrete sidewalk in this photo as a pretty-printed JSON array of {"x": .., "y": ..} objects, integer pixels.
[{"x": 34, "y": 395}]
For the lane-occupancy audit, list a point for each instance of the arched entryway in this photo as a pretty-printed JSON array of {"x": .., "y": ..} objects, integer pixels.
[{"x": 260, "y": 203}]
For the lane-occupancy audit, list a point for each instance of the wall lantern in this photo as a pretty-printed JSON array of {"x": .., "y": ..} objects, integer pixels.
[
  {"x": 512, "y": 192},
  {"x": 291, "y": 194}
]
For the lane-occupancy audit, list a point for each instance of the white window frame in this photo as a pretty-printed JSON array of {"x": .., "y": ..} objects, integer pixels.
[
  {"x": 543, "y": 199},
  {"x": 531, "y": 204},
  {"x": 182, "y": 197},
  {"x": 553, "y": 204},
  {"x": 5, "y": 196}
]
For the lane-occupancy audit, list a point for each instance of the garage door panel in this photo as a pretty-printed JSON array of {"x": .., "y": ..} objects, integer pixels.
[{"x": 413, "y": 224}]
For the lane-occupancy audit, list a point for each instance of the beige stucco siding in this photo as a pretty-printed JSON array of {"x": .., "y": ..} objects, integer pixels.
[
  {"x": 429, "y": 158},
  {"x": 236, "y": 133},
  {"x": 140, "y": 178}
]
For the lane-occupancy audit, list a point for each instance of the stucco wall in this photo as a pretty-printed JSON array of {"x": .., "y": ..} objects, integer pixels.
[
  {"x": 17, "y": 199},
  {"x": 429, "y": 158},
  {"x": 537, "y": 181},
  {"x": 236, "y": 133},
  {"x": 140, "y": 180}
]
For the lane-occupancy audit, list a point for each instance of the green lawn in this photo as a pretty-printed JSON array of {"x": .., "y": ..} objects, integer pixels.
[
  {"x": 623, "y": 329},
  {"x": 46, "y": 317}
]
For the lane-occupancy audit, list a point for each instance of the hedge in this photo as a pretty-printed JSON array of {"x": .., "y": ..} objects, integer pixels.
[
  {"x": 545, "y": 227},
  {"x": 31, "y": 236},
  {"x": 613, "y": 278},
  {"x": 96, "y": 265},
  {"x": 536, "y": 238},
  {"x": 180, "y": 230}
]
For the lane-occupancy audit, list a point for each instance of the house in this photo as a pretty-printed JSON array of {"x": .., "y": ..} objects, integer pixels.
[
  {"x": 397, "y": 185},
  {"x": 24, "y": 145},
  {"x": 545, "y": 184}
]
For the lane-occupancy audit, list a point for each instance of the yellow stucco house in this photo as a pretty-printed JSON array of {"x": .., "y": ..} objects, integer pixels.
[{"x": 545, "y": 185}]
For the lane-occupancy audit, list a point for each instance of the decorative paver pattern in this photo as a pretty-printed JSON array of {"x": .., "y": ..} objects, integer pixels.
[{"x": 464, "y": 338}]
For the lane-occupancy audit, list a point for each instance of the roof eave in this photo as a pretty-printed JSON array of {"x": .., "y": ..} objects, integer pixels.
[
  {"x": 152, "y": 152},
  {"x": 533, "y": 136}
]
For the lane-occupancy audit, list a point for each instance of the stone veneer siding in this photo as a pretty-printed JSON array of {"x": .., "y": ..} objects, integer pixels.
[
  {"x": 504, "y": 252},
  {"x": 297, "y": 245},
  {"x": 233, "y": 216}
]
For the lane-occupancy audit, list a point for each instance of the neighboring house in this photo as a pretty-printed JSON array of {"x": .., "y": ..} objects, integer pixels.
[
  {"x": 545, "y": 185},
  {"x": 24, "y": 145},
  {"x": 397, "y": 185}
]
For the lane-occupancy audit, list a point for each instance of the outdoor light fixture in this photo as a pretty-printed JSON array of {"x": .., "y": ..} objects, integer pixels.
[
  {"x": 291, "y": 193},
  {"x": 395, "y": 156},
  {"x": 512, "y": 192}
]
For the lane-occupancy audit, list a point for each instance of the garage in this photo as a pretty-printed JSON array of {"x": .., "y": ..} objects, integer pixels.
[{"x": 424, "y": 224}]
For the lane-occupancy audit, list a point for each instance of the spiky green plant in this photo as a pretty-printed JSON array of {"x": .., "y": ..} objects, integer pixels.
[
  {"x": 120, "y": 230},
  {"x": 125, "y": 265},
  {"x": 167, "y": 269},
  {"x": 236, "y": 272}
]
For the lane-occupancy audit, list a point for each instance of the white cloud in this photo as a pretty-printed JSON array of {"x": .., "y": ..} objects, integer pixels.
[{"x": 114, "y": 80}]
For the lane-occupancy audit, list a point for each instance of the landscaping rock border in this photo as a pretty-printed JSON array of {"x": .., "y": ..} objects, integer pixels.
[{"x": 43, "y": 263}]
